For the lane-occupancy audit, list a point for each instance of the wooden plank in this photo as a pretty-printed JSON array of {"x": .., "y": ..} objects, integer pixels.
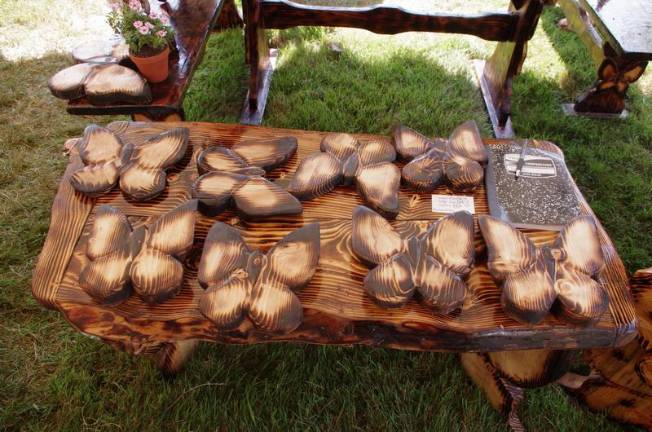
[
  {"x": 336, "y": 309},
  {"x": 282, "y": 14},
  {"x": 193, "y": 21}
]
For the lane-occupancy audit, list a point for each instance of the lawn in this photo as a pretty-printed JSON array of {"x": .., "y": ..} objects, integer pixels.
[{"x": 53, "y": 378}]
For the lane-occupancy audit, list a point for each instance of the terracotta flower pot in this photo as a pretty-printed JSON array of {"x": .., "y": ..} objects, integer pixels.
[{"x": 153, "y": 68}]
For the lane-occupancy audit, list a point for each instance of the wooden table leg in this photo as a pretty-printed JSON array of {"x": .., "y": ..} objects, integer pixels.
[
  {"x": 229, "y": 17},
  {"x": 503, "y": 376},
  {"x": 173, "y": 356},
  {"x": 496, "y": 74},
  {"x": 261, "y": 60}
]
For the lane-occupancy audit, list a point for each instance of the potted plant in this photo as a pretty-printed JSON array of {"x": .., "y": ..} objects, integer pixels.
[{"x": 148, "y": 36}]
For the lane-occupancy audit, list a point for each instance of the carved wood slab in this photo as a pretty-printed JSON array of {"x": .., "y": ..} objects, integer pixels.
[{"x": 336, "y": 308}]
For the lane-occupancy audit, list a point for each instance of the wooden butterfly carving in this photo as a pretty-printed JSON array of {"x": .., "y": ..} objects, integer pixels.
[
  {"x": 344, "y": 160},
  {"x": 457, "y": 162},
  {"x": 141, "y": 169},
  {"x": 433, "y": 263},
  {"x": 146, "y": 259},
  {"x": 533, "y": 278},
  {"x": 235, "y": 176},
  {"x": 241, "y": 282}
]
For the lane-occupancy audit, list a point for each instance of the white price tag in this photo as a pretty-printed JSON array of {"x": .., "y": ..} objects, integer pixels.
[{"x": 452, "y": 203}]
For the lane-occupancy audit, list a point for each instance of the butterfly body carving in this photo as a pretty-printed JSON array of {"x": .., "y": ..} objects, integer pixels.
[
  {"x": 235, "y": 177},
  {"x": 562, "y": 276},
  {"x": 433, "y": 263},
  {"x": 140, "y": 170},
  {"x": 457, "y": 161},
  {"x": 345, "y": 160},
  {"x": 241, "y": 282},
  {"x": 146, "y": 259}
]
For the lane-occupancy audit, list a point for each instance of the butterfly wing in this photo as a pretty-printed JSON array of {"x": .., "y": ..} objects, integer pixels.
[
  {"x": 258, "y": 197},
  {"x": 391, "y": 284},
  {"x": 156, "y": 273},
  {"x": 144, "y": 177},
  {"x": 450, "y": 242},
  {"x": 340, "y": 145},
  {"x": 219, "y": 159},
  {"x": 424, "y": 173},
  {"x": 581, "y": 297},
  {"x": 462, "y": 174},
  {"x": 373, "y": 239},
  {"x": 409, "y": 143},
  {"x": 105, "y": 277},
  {"x": 441, "y": 289},
  {"x": 467, "y": 142},
  {"x": 289, "y": 265},
  {"x": 226, "y": 302},
  {"x": 376, "y": 151},
  {"x": 214, "y": 190},
  {"x": 316, "y": 175},
  {"x": 378, "y": 185},
  {"x": 528, "y": 291},
  {"x": 266, "y": 153},
  {"x": 224, "y": 252}
]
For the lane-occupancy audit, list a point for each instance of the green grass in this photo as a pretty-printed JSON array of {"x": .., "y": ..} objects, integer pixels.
[{"x": 53, "y": 378}]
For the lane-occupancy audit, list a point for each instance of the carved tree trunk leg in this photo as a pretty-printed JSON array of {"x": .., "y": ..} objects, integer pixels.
[
  {"x": 261, "y": 63},
  {"x": 504, "y": 375},
  {"x": 229, "y": 17},
  {"x": 172, "y": 357},
  {"x": 620, "y": 383},
  {"x": 579, "y": 23},
  {"x": 171, "y": 117},
  {"x": 503, "y": 396},
  {"x": 496, "y": 74}
]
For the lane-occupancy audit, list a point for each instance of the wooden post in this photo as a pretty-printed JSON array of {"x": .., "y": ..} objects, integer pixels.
[
  {"x": 229, "y": 17},
  {"x": 496, "y": 74}
]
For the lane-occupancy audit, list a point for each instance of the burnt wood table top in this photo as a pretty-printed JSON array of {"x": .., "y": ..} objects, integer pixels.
[
  {"x": 336, "y": 309},
  {"x": 627, "y": 24},
  {"x": 192, "y": 20}
]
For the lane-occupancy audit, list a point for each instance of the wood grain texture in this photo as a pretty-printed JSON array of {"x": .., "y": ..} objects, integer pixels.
[
  {"x": 336, "y": 309},
  {"x": 193, "y": 21}
]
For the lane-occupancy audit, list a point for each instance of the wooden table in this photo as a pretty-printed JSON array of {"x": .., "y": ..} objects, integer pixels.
[
  {"x": 336, "y": 308},
  {"x": 616, "y": 32},
  {"x": 512, "y": 29},
  {"x": 193, "y": 21}
]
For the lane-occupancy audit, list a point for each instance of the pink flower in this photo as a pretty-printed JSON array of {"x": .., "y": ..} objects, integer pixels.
[
  {"x": 138, "y": 24},
  {"x": 115, "y": 7},
  {"x": 149, "y": 25},
  {"x": 164, "y": 19},
  {"x": 143, "y": 30},
  {"x": 135, "y": 5},
  {"x": 161, "y": 33},
  {"x": 153, "y": 15}
]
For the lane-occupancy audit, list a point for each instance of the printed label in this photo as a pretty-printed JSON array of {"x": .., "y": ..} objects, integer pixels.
[
  {"x": 534, "y": 166},
  {"x": 452, "y": 203}
]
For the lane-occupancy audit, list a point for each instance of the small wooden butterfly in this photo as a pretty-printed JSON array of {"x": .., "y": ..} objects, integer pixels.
[
  {"x": 235, "y": 177},
  {"x": 146, "y": 259},
  {"x": 456, "y": 161},
  {"x": 345, "y": 160},
  {"x": 533, "y": 278},
  {"x": 433, "y": 263},
  {"x": 140, "y": 169},
  {"x": 244, "y": 283}
]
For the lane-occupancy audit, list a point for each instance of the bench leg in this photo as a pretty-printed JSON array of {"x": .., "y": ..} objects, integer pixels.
[
  {"x": 503, "y": 376},
  {"x": 172, "y": 357},
  {"x": 496, "y": 74},
  {"x": 261, "y": 62},
  {"x": 177, "y": 116},
  {"x": 229, "y": 17}
]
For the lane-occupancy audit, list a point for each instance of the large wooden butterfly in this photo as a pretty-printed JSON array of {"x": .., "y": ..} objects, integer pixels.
[
  {"x": 456, "y": 161},
  {"x": 241, "y": 282},
  {"x": 146, "y": 259},
  {"x": 433, "y": 263},
  {"x": 533, "y": 278},
  {"x": 235, "y": 176},
  {"x": 141, "y": 169},
  {"x": 344, "y": 160}
]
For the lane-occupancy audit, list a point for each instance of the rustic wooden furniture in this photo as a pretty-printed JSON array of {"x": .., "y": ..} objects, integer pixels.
[
  {"x": 336, "y": 309},
  {"x": 193, "y": 21},
  {"x": 619, "y": 37},
  {"x": 511, "y": 29},
  {"x": 620, "y": 382}
]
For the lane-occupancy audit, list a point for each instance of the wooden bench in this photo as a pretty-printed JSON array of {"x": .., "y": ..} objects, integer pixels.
[
  {"x": 336, "y": 309},
  {"x": 619, "y": 37},
  {"x": 512, "y": 29},
  {"x": 193, "y": 21}
]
